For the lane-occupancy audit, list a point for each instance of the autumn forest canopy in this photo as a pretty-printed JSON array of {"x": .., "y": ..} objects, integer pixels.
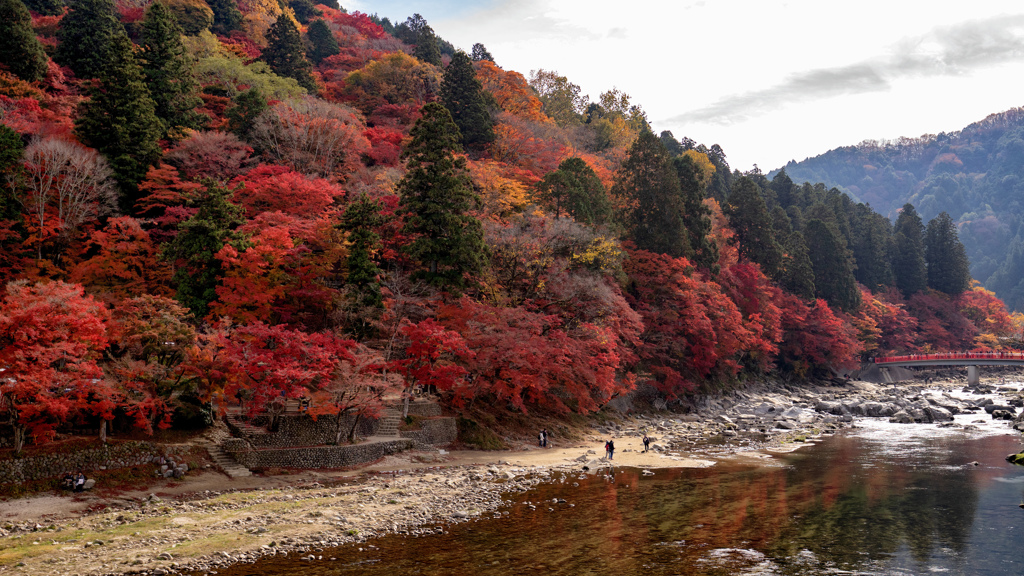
[{"x": 256, "y": 199}]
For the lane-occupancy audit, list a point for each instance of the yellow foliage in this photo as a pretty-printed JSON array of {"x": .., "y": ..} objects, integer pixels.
[
  {"x": 501, "y": 195},
  {"x": 601, "y": 255},
  {"x": 705, "y": 168},
  {"x": 987, "y": 341}
]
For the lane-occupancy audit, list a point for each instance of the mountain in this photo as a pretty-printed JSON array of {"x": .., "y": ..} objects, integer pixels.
[{"x": 976, "y": 175}]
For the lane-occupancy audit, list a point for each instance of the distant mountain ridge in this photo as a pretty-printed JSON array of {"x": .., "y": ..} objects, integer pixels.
[{"x": 975, "y": 174}]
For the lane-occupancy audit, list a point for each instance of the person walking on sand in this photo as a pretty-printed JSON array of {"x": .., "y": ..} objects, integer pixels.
[
  {"x": 609, "y": 447},
  {"x": 544, "y": 438},
  {"x": 540, "y": 439},
  {"x": 647, "y": 443}
]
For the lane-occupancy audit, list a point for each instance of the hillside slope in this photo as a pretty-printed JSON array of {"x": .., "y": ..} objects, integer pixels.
[{"x": 976, "y": 175}]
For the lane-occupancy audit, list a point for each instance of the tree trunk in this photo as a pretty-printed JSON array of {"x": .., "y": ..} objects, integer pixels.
[
  {"x": 19, "y": 438},
  {"x": 352, "y": 431},
  {"x": 103, "y": 430}
]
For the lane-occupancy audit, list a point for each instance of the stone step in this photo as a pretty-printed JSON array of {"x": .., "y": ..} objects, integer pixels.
[{"x": 226, "y": 463}]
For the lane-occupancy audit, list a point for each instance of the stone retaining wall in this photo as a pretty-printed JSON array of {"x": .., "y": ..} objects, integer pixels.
[
  {"x": 316, "y": 456},
  {"x": 425, "y": 409},
  {"x": 109, "y": 457},
  {"x": 301, "y": 430},
  {"x": 433, "y": 432}
]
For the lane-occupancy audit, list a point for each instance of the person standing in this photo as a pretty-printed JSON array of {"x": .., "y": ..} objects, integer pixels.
[
  {"x": 540, "y": 439},
  {"x": 544, "y": 438},
  {"x": 609, "y": 447},
  {"x": 647, "y": 443}
]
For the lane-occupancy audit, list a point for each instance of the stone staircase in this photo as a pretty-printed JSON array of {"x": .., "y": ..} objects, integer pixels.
[
  {"x": 389, "y": 423},
  {"x": 242, "y": 428},
  {"x": 227, "y": 463}
]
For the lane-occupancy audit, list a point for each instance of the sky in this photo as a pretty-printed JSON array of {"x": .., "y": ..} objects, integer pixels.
[{"x": 768, "y": 80}]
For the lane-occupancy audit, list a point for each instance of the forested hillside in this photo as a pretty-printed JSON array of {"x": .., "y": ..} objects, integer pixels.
[
  {"x": 247, "y": 200},
  {"x": 975, "y": 175}
]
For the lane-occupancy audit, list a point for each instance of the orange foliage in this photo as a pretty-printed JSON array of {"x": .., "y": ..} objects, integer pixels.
[
  {"x": 511, "y": 91},
  {"x": 501, "y": 195}
]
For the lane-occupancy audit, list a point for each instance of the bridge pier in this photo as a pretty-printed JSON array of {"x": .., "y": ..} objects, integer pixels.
[{"x": 973, "y": 375}]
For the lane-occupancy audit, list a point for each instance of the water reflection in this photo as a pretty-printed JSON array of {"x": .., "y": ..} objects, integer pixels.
[{"x": 859, "y": 503}]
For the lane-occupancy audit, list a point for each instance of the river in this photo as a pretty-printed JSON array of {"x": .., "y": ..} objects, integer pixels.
[{"x": 879, "y": 499}]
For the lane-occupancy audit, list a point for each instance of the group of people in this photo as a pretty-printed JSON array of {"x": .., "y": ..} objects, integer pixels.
[
  {"x": 74, "y": 482},
  {"x": 542, "y": 438},
  {"x": 609, "y": 447}
]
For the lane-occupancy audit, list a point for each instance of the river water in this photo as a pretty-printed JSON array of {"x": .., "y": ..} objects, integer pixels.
[{"x": 880, "y": 499}]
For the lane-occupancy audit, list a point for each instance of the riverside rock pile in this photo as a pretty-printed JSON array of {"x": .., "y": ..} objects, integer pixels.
[{"x": 773, "y": 414}]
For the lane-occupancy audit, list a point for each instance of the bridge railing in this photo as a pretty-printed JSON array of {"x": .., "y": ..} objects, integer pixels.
[{"x": 952, "y": 356}]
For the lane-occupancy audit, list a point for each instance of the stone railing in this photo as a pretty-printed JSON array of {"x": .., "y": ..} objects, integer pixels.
[{"x": 111, "y": 456}]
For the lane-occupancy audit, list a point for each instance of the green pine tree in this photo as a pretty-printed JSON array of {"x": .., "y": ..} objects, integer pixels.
[
  {"x": 285, "y": 53},
  {"x": 575, "y": 189},
  {"x": 85, "y": 37},
  {"x": 427, "y": 49},
  {"x": 120, "y": 121},
  {"x": 463, "y": 96},
  {"x": 949, "y": 271},
  {"x": 832, "y": 264},
  {"x": 908, "y": 263},
  {"x": 322, "y": 41},
  {"x": 696, "y": 216},
  {"x": 748, "y": 215},
  {"x": 169, "y": 73},
  {"x": 480, "y": 53},
  {"x": 361, "y": 220},
  {"x": 247, "y": 108},
  {"x": 226, "y": 16},
  {"x": 197, "y": 272},
  {"x": 436, "y": 195},
  {"x": 305, "y": 10},
  {"x": 872, "y": 248},
  {"x": 20, "y": 50},
  {"x": 653, "y": 219},
  {"x": 798, "y": 272}
]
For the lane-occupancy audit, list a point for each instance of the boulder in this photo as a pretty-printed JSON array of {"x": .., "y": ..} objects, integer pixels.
[
  {"x": 1002, "y": 415},
  {"x": 902, "y": 417},
  {"x": 89, "y": 484},
  {"x": 993, "y": 407},
  {"x": 877, "y": 409},
  {"x": 938, "y": 414}
]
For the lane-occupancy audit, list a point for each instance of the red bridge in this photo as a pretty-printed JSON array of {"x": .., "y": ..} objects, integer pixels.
[{"x": 970, "y": 359}]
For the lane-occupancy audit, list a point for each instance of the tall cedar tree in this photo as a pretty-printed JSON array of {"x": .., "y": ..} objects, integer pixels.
[
  {"x": 908, "y": 263},
  {"x": 226, "y": 16},
  {"x": 463, "y": 96},
  {"x": 427, "y": 49},
  {"x": 361, "y": 220},
  {"x": 647, "y": 182},
  {"x": 832, "y": 264},
  {"x": 872, "y": 248},
  {"x": 305, "y": 10},
  {"x": 948, "y": 267},
  {"x": 85, "y": 37},
  {"x": 798, "y": 273},
  {"x": 197, "y": 272},
  {"x": 480, "y": 53},
  {"x": 20, "y": 50},
  {"x": 748, "y": 215},
  {"x": 696, "y": 216},
  {"x": 248, "y": 106},
  {"x": 285, "y": 53},
  {"x": 120, "y": 121},
  {"x": 575, "y": 189},
  {"x": 436, "y": 195},
  {"x": 169, "y": 73},
  {"x": 322, "y": 41}
]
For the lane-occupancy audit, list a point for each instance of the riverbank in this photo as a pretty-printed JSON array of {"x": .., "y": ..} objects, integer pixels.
[{"x": 207, "y": 521}]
